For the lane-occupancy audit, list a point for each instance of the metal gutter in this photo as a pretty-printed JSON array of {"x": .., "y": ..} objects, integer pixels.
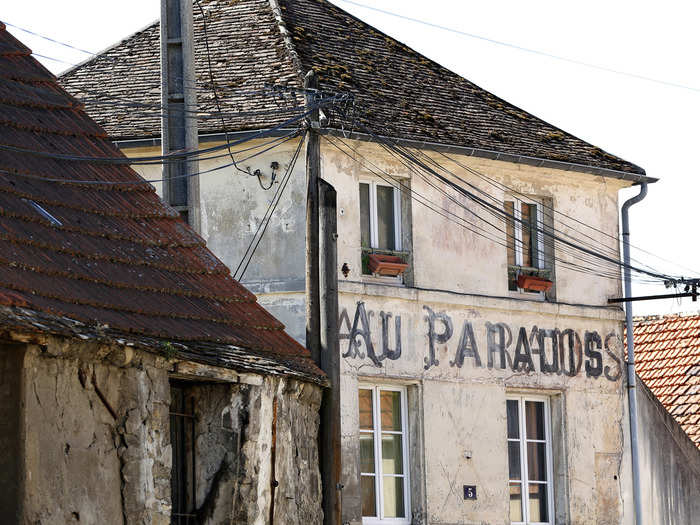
[
  {"x": 537, "y": 162},
  {"x": 631, "y": 374}
]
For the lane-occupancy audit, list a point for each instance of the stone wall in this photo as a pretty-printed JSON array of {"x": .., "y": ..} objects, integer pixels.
[{"x": 93, "y": 433}]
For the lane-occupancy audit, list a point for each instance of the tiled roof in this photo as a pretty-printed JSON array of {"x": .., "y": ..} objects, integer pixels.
[
  {"x": 667, "y": 356},
  {"x": 400, "y": 92},
  {"x": 111, "y": 256}
]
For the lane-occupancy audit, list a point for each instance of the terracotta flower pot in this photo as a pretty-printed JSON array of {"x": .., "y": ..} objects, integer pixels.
[
  {"x": 388, "y": 265},
  {"x": 534, "y": 283}
]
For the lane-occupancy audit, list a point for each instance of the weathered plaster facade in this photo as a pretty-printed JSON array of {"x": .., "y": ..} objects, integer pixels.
[
  {"x": 92, "y": 439},
  {"x": 452, "y": 333}
]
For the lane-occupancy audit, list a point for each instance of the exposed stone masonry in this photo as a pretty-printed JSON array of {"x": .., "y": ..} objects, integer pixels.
[{"x": 97, "y": 440}]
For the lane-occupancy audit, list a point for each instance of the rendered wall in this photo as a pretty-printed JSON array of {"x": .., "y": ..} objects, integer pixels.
[
  {"x": 670, "y": 465},
  {"x": 458, "y": 371},
  {"x": 95, "y": 444},
  {"x": 233, "y": 207},
  {"x": 455, "y": 404}
]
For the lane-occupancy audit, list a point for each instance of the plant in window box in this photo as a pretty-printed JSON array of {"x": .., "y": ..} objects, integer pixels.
[
  {"x": 386, "y": 264},
  {"x": 534, "y": 283},
  {"x": 365, "y": 262}
]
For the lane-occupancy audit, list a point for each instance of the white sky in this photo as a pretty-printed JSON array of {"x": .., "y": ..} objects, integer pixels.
[{"x": 652, "y": 125}]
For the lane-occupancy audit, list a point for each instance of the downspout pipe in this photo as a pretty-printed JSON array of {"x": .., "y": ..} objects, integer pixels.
[{"x": 631, "y": 374}]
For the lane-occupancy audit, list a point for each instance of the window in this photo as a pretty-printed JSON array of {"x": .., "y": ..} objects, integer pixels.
[
  {"x": 525, "y": 247},
  {"x": 182, "y": 439},
  {"x": 529, "y": 460},
  {"x": 380, "y": 216},
  {"x": 380, "y": 227},
  {"x": 383, "y": 459}
]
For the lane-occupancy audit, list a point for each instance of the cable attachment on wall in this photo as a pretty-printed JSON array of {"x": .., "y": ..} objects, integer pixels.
[{"x": 274, "y": 166}]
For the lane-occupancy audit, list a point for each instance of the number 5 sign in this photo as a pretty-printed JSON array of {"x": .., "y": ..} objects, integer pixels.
[{"x": 469, "y": 491}]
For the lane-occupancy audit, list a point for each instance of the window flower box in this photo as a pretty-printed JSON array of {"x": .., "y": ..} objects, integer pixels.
[
  {"x": 387, "y": 265},
  {"x": 534, "y": 283}
]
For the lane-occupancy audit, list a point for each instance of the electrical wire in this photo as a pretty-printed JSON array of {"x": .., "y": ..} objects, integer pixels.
[
  {"x": 554, "y": 211},
  {"x": 258, "y": 235},
  {"x": 70, "y": 46},
  {"x": 450, "y": 216},
  {"x": 167, "y": 158},
  {"x": 502, "y": 213},
  {"x": 216, "y": 96},
  {"x": 526, "y": 49},
  {"x": 543, "y": 231},
  {"x": 270, "y": 145},
  {"x": 487, "y": 205}
]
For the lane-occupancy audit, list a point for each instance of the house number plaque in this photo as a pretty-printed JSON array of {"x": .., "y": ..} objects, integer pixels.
[{"x": 469, "y": 491}]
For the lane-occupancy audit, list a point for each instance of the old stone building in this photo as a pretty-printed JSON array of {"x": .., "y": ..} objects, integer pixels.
[
  {"x": 468, "y": 394},
  {"x": 139, "y": 382}
]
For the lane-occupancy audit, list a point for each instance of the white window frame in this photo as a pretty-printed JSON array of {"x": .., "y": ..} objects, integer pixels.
[
  {"x": 518, "y": 234},
  {"x": 523, "y": 440},
  {"x": 518, "y": 230},
  {"x": 373, "y": 229},
  {"x": 378, "y": 473}
]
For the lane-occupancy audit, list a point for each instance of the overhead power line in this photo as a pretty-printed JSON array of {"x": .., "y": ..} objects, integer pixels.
[
  {"x": 526, "y": 49},
  {"x": 264, "y": 223},
  {"x": 165, "y": 158},
  {"x": 268, "y": 146},
  {"x": 499, "y": 211},
  {"x": 69, "y": 46}
]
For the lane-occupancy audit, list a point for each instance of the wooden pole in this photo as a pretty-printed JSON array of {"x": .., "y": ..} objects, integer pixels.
[
  {"x": 330, "y": 451},
  {"x": 313, "y": 169}
]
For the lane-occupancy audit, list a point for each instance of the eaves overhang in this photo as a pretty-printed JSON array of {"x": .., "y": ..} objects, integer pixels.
[{"x": 539, "y": 162}]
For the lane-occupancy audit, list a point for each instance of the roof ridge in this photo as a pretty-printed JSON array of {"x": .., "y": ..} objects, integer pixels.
[
  {"x": 287, "y": 39},
  {"x": 665, "y": 317}
]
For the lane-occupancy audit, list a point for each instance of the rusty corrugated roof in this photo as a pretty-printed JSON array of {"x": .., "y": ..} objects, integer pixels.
[
  {"x": 667, "y": 356},
  {"x": 112, "y": 256}
]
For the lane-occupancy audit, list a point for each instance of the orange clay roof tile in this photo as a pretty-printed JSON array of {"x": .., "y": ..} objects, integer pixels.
[{"x": 668, "y": 351}]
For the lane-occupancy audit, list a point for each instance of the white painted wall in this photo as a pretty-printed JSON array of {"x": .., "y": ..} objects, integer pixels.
[{"x": 464, "y": 276}]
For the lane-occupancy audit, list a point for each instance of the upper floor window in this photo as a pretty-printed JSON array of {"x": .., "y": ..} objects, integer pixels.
[
  {"x": 380, "y": 216},
  {"x": 383, "y": 455},
  {"x": 526, "y": 253},
  {"x": 380, "y": 227},
  {"x": 529, "y": 460}
]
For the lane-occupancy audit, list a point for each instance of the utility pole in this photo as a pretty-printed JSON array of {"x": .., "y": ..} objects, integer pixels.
[
  {"x": 313, "y": 169},
  {"x": 322, "y": 308},
  {"x": 330, "y": 355},
  {"x": 179, "y": 103}
]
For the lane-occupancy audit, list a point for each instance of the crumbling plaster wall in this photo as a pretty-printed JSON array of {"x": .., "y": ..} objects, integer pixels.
[
  {"x": 97, "y": 446},
  {"x": 447, "y": 256},
  {"x": 97, "y": 442},
  {"x": 233, "y": 206},
  {"x": 669, "y": 465},
  {"x": 462, "y": 406}
]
